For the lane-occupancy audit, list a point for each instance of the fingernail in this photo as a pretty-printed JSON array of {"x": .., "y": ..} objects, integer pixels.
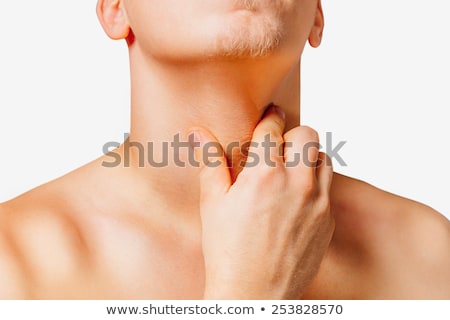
[
  {"x": 279, "y": 111},
  {"x": 319, "y": 162},
  {"x": 273, "y": 108}
]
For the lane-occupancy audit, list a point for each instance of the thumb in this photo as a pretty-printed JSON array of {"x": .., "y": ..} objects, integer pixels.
[{"x": 215, "y": 179}]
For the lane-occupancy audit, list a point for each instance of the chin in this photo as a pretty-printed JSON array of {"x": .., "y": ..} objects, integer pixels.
[
  {"x": 249, "y": 34},
  {"x": 223, "y": 29}
]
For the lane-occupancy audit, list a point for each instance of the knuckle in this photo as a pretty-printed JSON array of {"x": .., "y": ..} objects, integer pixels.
[
  {"x": 274, "y": 135},
  {"x": 272, "y": 125},
  {"x": 273, "y": 176},
  {"x": 309, "y": 133},
  {"x": 308, "y": 189},
  {"x": 323, "y": 208},
  {"x": 324, "y": 205},
  {"x": 303, "y": 138},
  {"x": 279, "y": 123},
  {"x": 306, "y": 183}
]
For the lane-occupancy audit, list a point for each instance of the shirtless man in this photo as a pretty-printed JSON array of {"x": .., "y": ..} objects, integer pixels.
[{"x": 209, "y": 69}]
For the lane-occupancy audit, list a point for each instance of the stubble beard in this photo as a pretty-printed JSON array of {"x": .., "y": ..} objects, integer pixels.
[{"x": 251, "y": 34}]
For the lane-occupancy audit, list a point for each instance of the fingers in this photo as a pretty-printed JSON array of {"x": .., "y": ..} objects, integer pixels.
[
  {"x": 267, "y": 138},
  {"x": 312, "y": 170},
  {"x": 301, "y": 151},
  {"x": 215, "y": 179},
  {"x": 324, "y": 174}
]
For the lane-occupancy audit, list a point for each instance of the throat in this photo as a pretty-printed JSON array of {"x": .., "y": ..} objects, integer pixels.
[{"x": 228, "y": 99}]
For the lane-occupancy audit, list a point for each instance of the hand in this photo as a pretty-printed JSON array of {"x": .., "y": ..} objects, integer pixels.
[{"x": 265, "y": 235}]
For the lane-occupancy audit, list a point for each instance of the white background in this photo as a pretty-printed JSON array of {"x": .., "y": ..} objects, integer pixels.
[
  {"x": 380, "y": 81},
  {"x": 351, "y": 309}
]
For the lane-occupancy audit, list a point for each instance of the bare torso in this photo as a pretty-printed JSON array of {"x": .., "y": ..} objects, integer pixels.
[{"x": 80, "y": 237}]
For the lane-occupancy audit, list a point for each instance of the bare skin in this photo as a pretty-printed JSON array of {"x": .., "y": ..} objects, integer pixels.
[
  {"x": 68, "y": 240},
  {"x": 139, "y": 232}
]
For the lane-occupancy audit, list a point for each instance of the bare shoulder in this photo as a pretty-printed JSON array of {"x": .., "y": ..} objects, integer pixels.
[
  {"x": 385, "y": 246},
  {"x": 369, "y": 207},
  {"x": 11, "y": 269},
  {"x": 40, "y": 244}
]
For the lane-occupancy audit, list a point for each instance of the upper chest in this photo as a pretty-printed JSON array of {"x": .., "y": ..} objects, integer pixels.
[{"x": 133, "y": 261}]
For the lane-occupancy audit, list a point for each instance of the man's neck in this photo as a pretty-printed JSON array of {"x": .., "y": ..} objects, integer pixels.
[{"x": 227, "y": 98}]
